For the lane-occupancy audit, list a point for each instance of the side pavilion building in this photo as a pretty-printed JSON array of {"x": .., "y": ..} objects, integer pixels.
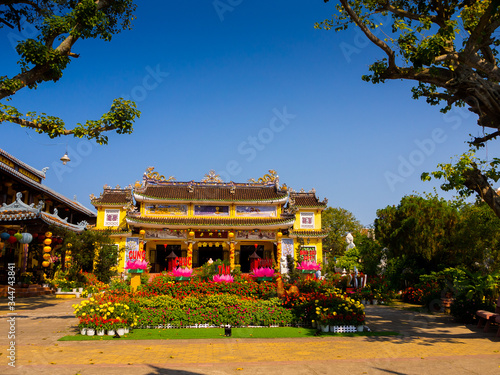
[{"x": 162, "y": 219}]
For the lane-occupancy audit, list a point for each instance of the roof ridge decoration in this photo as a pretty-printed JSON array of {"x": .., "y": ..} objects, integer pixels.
[
  {"x": 272, "y": 176},
  {"x": 19, "y": 205},
  {"x": 212, "y": 177},
  {"x": 150, "y": 175}
]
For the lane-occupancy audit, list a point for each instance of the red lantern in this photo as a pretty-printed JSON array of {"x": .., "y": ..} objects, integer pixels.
[{"x": 12, "y": 239}]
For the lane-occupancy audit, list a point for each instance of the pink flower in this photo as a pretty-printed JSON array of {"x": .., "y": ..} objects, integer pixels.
[
  {"x": 309, "y": 265},
  {"x": 223, "y": 278},
  {"x": 182, "y": 272},
  {"x": 137, "y": 264},
  {"x": 263, "y": 272}
]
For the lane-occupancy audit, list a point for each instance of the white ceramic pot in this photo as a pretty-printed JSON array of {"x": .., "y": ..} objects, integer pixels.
[
  {"x": 111, "y": 332},
  {"x": 83, "y": 331},
  {"x": 127, "y": 330},
  {"x": 360, "y": 328},
  {"x": 120, "y": 331},
  {"x": 325, "y": 328},
  {"x": 100, "y": 332},
  {"x": 90, "y": 331}
]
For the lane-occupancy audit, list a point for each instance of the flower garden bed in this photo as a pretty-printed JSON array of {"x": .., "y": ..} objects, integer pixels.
[{"x": 164, "y": 303}]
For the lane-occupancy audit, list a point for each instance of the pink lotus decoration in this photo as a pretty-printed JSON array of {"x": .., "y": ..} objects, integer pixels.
[
  {"x": 137, "y": 264},
  {"x": 263, "y": 272},
  {"x": 182, "y": 272},
  {"x": 223, "y": 278},
  {"x": 309, "y": 266}
]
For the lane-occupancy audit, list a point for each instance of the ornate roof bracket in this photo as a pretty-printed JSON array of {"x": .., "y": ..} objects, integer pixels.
[{"x": 19, "y": 205}]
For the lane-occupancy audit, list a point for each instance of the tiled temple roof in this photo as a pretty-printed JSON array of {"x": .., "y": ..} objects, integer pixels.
[
  {"x": 306, "y": 200},
  {"x": 201, "y": 192},
  {"x": 19, "y": 212},
  {"x": 40, "y": 187},
  {"x": 111, "y": 197},
  {"x": 309, "y": 233},
  {"x": 210, "y": 222}
]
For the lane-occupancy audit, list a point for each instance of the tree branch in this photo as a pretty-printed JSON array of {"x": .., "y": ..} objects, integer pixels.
[
  {"x": 378, "y": 42},
  {"x": 479, "y": 183},
  {"x": 480, "y": 141},
  {"x": 405, "y": 14},
  {"x": 477, "y": 34}
]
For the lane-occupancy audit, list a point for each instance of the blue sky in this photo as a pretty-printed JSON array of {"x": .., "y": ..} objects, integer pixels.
[{"x": 240, "y": 91}]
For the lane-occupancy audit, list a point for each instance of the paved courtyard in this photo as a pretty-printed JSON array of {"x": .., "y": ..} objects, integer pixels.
[{"x": 428, "y": 344}]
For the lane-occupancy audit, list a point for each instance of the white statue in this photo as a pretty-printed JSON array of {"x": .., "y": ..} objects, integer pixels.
[{"x": 350, "y": 241}]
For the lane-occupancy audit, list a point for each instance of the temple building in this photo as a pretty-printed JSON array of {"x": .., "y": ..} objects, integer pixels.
[
  {"x": 192, "y": 222},
  {"x": 29, "y": 207}
]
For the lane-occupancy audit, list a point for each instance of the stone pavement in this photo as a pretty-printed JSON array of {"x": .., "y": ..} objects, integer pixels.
[{"x": 428, "y": 344}]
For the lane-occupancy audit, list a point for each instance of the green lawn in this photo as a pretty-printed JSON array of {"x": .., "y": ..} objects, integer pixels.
[{"x": 218, "y": 333}]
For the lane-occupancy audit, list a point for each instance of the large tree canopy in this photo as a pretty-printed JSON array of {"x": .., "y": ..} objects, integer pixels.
[
  {"x": 449, "y": 48},
  {"x": 60, "y": 23}
]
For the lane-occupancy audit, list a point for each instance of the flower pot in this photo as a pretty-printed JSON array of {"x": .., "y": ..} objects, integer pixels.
[
  {"x": 74, "y": 290},
  {"x": 183, "y": 278},
  {"x": 374, "y": 302},
  {"x": 100, "y": 332},
  {"x": 120, "y": 331},
  {"x": 135, "y": 271},
  {"x": 360, "y": 328},
  {"x": 264, "y": 279},
  {"x": 80, "y": 290},
  {"x": 111, "y": 332},
  {"x": 59, "y": 290},
  {"x": 308, "y": 271},
  {"x": 83, "y": 331},
  {"x": 127, "y": 330},
  {"x": 90, "y": 331},
  {"x": 325, "y": 328}
]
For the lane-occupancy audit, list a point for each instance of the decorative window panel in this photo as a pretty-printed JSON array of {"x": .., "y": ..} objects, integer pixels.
[
  {"x": 307, "y": 220},
  {"x": 111, "y": 218}
]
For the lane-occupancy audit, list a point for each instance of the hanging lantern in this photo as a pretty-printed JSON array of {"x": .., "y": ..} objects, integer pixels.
[
  {"x": 41, "y": 237},
  {"x": 35, "y": 235},
  {"x": 45, "y": 263},
  {"x": 191, "y": 233},
  {"x": 216, "y": 244},
  {"x": 231, "y": 234},
  {"x": 47, "y": 241},
  {"x": 68, "y": 252},
  {"x": 47, "y": 249},
  {"x": 46, "y": 256},
  {"x": 1, "y": 246},
  {"x": 48, "y": 234},
  {"x": 12, "y": 239},
  {"x": 280, "y": 234},
  {"x": 18, "y": 236},
  {"x": 4, "y": 236},
  {"x": 142, "y": 232},
  {"x": 11, "y": 232},
  {"x": 26, "y": 238}
]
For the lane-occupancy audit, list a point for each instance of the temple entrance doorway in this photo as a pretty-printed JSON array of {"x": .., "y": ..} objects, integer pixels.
[{"x": 209, "y": 252}]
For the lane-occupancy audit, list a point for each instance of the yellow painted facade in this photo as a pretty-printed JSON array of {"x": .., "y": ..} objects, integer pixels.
[{"x": 198, "y": 221}]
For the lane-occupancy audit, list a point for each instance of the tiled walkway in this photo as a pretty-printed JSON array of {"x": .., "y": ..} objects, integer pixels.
[{"x": 427, "y": 345}]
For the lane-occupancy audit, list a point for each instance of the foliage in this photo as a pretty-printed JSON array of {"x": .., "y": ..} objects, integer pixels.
[
  {"x": 450, "y": 49},
  {"x": 338, "y": 222},
  {"x": 370, "y": 253},
  {"x": 293, "y": 274},
  {"x": 349, "y": 260},
  {"x": 164, "y": 285},
  {"x": 59, "y": 25},
  {"x": 419, "y": 228},
  {"x": 208, "y": 270}
]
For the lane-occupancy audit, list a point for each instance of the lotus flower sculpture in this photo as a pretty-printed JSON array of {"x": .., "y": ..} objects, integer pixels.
[
  {"x": 137, "y": 264},
  {"x": 182, "y": 272},
  {"x": 223, "y": 279},
  {"x": 263, "y": 272},
  {"x": 309, "y": 266}
]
